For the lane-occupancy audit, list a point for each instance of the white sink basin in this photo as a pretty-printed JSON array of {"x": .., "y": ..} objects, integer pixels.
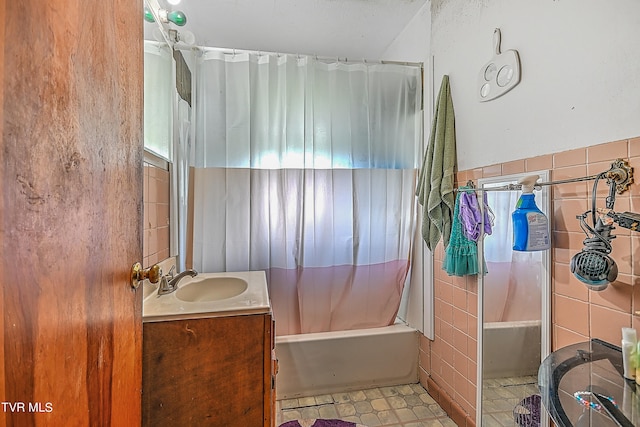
[
  {"x": 210, "y": 295},
  {"x": 211, "y": 289}
]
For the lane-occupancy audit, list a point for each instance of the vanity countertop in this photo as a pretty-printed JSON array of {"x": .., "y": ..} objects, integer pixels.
[
  {"x": 254, "y": 300},
  {"x": 584, "y": 367}
]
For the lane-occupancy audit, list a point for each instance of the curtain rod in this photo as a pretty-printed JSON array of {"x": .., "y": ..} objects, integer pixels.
[
  {"x": 538, "y": 185},
  {"x": 620, "y": 173},
  {"x": 230, "y": 51}
]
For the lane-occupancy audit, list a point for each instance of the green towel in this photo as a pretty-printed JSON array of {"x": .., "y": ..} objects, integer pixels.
[{"x": 436, "y": 180}]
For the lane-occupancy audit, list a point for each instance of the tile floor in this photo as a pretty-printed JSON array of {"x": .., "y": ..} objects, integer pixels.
[
  {"x": 397, "y": 406},
  {"x": 501, "y": 395}
]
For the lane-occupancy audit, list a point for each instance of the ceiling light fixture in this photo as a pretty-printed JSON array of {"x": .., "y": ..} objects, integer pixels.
[{"x": 177, "y": 16}]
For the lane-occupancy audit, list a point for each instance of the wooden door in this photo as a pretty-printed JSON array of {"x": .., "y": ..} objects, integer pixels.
[{"x": 70, "y": 212}]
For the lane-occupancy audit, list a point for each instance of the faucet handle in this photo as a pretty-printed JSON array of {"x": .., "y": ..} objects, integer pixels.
[{"x": 171, "y": 272}]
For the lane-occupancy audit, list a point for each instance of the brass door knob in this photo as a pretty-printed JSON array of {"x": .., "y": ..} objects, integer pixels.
[{"x": 138, "y": 274}]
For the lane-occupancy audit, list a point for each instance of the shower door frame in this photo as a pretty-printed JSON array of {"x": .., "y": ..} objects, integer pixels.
[{"x": 544, "y": 203}]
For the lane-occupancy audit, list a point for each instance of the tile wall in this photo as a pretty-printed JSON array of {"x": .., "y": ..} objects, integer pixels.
[
  {"x": 448, "y": 363},
  {"x": 156, "y": 215}
]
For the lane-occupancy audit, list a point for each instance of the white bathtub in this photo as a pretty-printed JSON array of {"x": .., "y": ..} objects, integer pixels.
[
  {"x": 330, "y": 362},
  {"x": 511, "y": 349}
]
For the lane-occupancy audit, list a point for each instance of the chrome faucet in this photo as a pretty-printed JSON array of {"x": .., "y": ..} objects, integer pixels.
[{"x": 169, "y": 283}]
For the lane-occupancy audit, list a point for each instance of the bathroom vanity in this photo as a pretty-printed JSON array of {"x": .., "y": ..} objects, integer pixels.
[
  {"x": 570, "y": 378},
  {"x": 208, "y": 361}
]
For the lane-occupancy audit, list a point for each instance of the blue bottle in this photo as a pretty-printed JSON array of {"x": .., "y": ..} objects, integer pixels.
[{"x": 530, "y": 225}]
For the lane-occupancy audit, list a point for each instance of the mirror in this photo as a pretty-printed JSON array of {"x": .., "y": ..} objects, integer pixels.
[
  {"x": 158, "y": 139},
  {"x": 158, "y": 70},
  {"x": 158, "y": 98},
  {"x": 167, "y": 136},
  {"x": 513, "y": 314}
]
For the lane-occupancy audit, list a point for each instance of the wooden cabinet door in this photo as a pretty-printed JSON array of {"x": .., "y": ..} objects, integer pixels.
[
  {"x": 70, "y": 212},
  {"x": 207, "y": 372}
]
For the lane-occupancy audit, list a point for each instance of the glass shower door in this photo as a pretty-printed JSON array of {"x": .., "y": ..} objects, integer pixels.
[{"x": 514, "y": 295}]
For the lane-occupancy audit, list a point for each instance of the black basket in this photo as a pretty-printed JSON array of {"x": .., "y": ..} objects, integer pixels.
[{"x": 527, "y": 412}]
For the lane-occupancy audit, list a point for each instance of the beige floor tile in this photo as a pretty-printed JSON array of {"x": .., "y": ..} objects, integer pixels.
[
  {"x": 307, "y": 401},
  {"x": 373, "y": 393},
  {"x": 437, "y": 410},
  {"x": 422, "y": 412},
  {"x": 324, "y": 399},
  {"x": 328, "y": 411},
  {"x": 357, "y": 396},
  {"x": 288, "y": 403},
  {"x": 405, "y": 390},
  {"x": 363, "y": 407},
  {"x": 389, "y": 391},
  {"x": 370, "y": 420},
  {"x": 413, "y": 400},
  {"x": 310, "y": 413},
  {"x": 346, "y": 409},
  {"x": 380, "y": 404},
  {"x": 397, "y": 402},
  {"x": 406, "y": 414},
  {"x": 290, "y": 415},
  {"x": 388, "y": 417},
  {"x": 341, "y": 397},
  {"x": 406, "y": 405},
  {"x": 426, "y": 398}
]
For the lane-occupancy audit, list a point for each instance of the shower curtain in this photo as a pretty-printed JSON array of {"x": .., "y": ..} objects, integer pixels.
[
  {"x": 512, "y": 285},
  {"x": 307, "y": 170}
]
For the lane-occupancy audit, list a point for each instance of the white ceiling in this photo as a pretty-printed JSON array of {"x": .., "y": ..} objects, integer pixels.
[{"x": 353, "y": 29}]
